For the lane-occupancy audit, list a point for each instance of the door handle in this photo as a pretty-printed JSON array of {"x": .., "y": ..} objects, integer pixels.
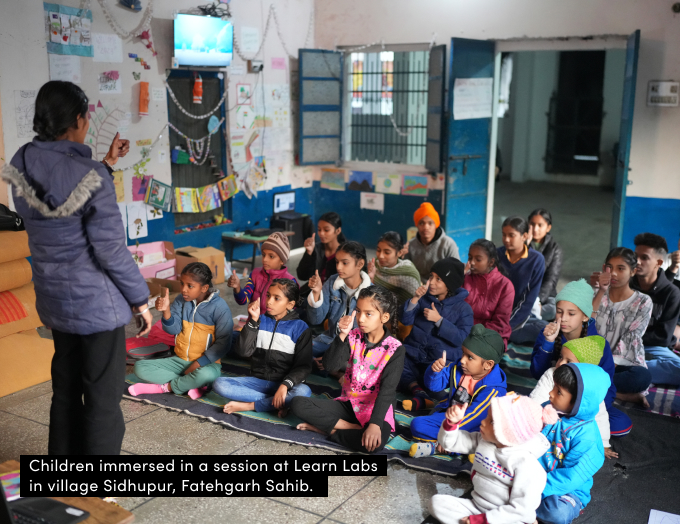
[{"x": 464, "y": 158}]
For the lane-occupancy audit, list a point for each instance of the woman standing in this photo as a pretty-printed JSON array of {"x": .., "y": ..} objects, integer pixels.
[
  {"x": 85, "y": 279},
  {"x": 540, "y": 238}
]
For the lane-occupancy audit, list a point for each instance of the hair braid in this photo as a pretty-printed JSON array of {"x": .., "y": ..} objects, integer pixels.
[{"x": 557, "y": 348}]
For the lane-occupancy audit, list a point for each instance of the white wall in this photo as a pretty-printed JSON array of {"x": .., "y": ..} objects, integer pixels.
[
  {"x": 24, "y": 61},
  {"x": 654, "y": 156}
]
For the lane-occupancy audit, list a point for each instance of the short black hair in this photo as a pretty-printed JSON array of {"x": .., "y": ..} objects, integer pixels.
[
  {"x": 517, "y": 223},
  {"x": 200, "y": 272},
  {"x": 392, "y": 239},
  {"x": 289, "y": 287},
  {"x": 656, "y": 242},
  {"x": 565, "y": 378},
  {"x": 57, "y": 108}
]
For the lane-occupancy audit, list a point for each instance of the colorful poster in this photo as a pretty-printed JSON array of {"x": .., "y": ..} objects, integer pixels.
[
  {"x": 387, "y": 183},
  {"x": 186, "y": 200},
  {"x": 415, "y": 185},
  {"x": 374, "y": 201},
  {"x": 159, "y": 195},
  {"x": 68, "y": 30},
  {"x": 361, "y": 181},
  {"x": 237, "y": 141},
  {"x": 333, "y": 179},
  {"x": 137, "y": 221},
  {"x": 209, "y": 197},
  {"x": 227, "y": 187},
  {"x": 118, "y": 184},
  {"x": 301, "y": 177},
  {"x": 139, "y": 187},
  {"x": 243, "y": 94}
]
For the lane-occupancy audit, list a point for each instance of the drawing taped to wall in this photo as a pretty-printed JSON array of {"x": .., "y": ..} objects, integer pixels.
[
  {"x": 333, "y": 179},
  {"x": 415, "y": 185},
  {"x": 104, "y": 121},
  {"x": 24, "y": 109},
  {"x": 361, "y": 181}
]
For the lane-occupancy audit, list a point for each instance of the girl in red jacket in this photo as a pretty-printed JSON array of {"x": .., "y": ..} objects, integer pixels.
[{"x": 491, "y": 294}]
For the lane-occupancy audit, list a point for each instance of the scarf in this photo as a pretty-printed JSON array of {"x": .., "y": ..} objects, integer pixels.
[{"x": 402, "y": 279}]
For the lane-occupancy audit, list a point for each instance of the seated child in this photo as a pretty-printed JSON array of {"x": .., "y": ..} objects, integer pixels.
[
  {"x": 337, "y": 297},
  {"x": 275, "y": 253},
  {"x": 491, "y": 293},
  {"x": 280, "y": 347},
  {"x": 387, "y": 270},
  {"x": 203, "y": 337},
  {"x": 587, "y": 350},
  {"x": 477, "y": 371},
  {"x": 507, "y": 478},
  {"x": 576, "y": 451},
  {"x": 441, "y": 320},
  {"x": 362, "y": 418}
]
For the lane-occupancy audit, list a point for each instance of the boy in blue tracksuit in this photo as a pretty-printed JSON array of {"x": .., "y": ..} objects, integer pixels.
[
  {"x": 576, "y": 452},
  {"x": 478, "y": 372},
  {"x": 441, "y": 320}
]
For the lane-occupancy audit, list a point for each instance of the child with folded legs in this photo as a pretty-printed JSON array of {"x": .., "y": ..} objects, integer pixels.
[
  {"x": 480, "y": 376},
  {"x": 507, "y": 478}
]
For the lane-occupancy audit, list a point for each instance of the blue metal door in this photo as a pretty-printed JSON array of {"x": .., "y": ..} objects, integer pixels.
[
  {"x": 467, "y": 166},
  {"x": 623, "y": 156}
]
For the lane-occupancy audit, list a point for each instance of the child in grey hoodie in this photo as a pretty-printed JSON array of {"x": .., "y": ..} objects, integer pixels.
[{"x": 508, "y": 480}]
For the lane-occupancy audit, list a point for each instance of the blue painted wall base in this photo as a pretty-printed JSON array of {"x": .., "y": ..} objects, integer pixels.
[{"x": 660, "y": 216}]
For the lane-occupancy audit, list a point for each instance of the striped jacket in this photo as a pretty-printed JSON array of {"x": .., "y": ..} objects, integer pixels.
[
  {"x": 281, "y": 350},
  {"x": 202, "y": 332},
  {"x": 491, "y": 386}
]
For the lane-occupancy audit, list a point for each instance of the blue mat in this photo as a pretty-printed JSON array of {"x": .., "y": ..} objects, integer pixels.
[{"x": 268, "y": 425}]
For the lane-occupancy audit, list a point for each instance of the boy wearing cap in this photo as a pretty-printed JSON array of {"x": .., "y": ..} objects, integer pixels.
[
  {"x": 431, "y": 243},
  {"x": 507, "y": 478},
  {"x": 478, "y": 372},
  {"x": 441, "y": 320},
  {"x": 275, "y": 253}
]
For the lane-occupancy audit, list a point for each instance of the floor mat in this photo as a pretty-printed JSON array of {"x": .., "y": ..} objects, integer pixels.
[
  {"x": 646, "y": 475},
  {"x": 268, "y": 425}
]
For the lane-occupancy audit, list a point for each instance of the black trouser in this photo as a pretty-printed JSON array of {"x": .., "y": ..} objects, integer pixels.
[
  {"x": 324, "y": 414},
  {"x": 88, "y": 379}
]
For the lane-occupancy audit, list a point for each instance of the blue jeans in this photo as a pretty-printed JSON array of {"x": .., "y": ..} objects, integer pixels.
[
  {"x": 560, "y": 509},
  {"x": 252, "y": 389},
  {"x": 320, "y": 344},
  {"x": 631, "y": 379},
  {"x": 527, "y": 334},
  {"x": 664, "y": 365}
]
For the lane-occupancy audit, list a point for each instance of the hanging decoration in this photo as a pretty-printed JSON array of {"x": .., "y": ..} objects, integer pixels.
[
  {"x": 197, "y": 117},
  {"x": 144, "y": 24},
  {"x": 144, "y": 99},
  {"x": 199, "y": 149},
  {"x": 134, "y": 5},
  {"x": 198, "y": 89},
  {"x": 146, "y": 40}
]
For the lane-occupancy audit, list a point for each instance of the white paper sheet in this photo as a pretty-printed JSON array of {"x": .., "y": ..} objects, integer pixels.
[
  {"x": 24, "y": 109},
  {"x": 137, "y": 220},
  {"x": 107, "y": 48},
  {"x": 237, "y": 141},
  {"x": 661, "y": 517},
  {"x": 152, "y": 213},
  {"x": 237, "y": 69},
  {"x": 276, "y": 139},
  {"x": 110, "y": 86},
  {"x": 374, "y": 201},
  {"x": 301, "y": 177},
  {"x": 472, "y": 98},
  {"x": 250, "y": 39},
  {"x": 65, "y": 67},
  {"x": 158, "y": 94},
  {"x": 277, "y": 95}
]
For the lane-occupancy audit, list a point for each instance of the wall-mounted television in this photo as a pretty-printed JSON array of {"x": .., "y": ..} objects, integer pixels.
[{"x": 203, "y": 41}]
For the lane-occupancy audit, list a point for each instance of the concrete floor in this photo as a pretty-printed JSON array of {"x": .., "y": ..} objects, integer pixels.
[{"x": 581, "y": 226}]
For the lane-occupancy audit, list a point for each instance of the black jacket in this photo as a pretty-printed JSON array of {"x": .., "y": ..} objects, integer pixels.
[
  {"x": 665, "y": 311},
  {"x": 281, "y": 350},
  {"x": 552, "y": 252},
  {"x": 317, "y": 260}
]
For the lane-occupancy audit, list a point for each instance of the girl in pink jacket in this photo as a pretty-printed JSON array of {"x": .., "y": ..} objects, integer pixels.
[{"x": 491, "y": 294}]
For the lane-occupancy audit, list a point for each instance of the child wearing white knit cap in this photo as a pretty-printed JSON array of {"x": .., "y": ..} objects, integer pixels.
[{"x": 508, "y": 480}]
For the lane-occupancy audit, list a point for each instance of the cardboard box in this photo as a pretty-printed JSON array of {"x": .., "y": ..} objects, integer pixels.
[
  {"x": 156, "y": 286},
  {"x": 164, "y": 270},
  {"x": 26, "y": 361},
  {"x": 213, "y": 258}
]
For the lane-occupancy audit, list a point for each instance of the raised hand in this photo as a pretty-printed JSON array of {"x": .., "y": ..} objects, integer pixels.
[
  {"x": 345, "y": 324},
  {"x": 163, "y": 302},
  {"x": 675, "y": 261},
  {"x": 595, "y": 279},
  {"x": 551, "y": 330},
  {"x": 234, "y": 282},
  {"x": 254, "y": 310},
  {"x": 315, "y": 285},
  {"x": 440, "y": 363},
  {"x": 310, "y": 243},
  {"x": 467, "y": 267},
  {"x": 605, "y": 278},
  {"x": 119, "y": 148},
  {"x": 456, "y": 412},
  {"x": 371, "y": 269},
  {"x": 432, "y": 314},
  {"x": 420, "y": 292}
]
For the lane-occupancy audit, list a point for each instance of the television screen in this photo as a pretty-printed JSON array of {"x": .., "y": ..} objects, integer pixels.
[
  {"x": 203, "y": 41},
  {"x": 284, "y": 202}
]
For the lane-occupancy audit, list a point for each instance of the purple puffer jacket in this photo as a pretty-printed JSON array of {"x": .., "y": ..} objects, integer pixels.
[{"x": 85, "y": 279}]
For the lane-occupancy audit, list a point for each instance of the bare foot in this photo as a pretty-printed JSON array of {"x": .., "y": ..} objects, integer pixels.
[
  {"x": 283, "y": 413},
  {"x": 610, "y": 453},
  {"x": 637, "y": 398},
  {"x": 233, "y": 407},
  {"x": 308, "y": 427}
]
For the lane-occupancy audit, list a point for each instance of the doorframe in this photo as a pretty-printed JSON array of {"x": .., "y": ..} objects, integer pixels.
[{"x": 572, "y": 43}]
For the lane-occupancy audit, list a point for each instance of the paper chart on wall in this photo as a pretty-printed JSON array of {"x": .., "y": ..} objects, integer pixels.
[
  {"x": 110, "y": 83},
  {"x": 280, "y": 117},
  {"x": 137, "y": 224},
  {"x": 438, "y": 183},
  {"x": 152, "y": 213},
  {"x": 301, "y": 177},
  {"x": 250, "y": 39},
  {"x": 387, "y": 183},
  {"x": 139, "y": 187},
  {"x": 65, "y": 67},
  {"x": 107, "y": 48},
  {"x": 374, "y": 201},
  {"x": 237, "y": 142},
  {"x": 24, "y": 109},
  {"x": 333, "y": 179},
  {"x": 276, "y": 95},
  {"x": 68, "y": 33},
  {"x": 279, "y": 164},
  {"x": 118, "y": 184},
  {"x": 472, "y": 98},
  {"x": 276, "y": 139}
]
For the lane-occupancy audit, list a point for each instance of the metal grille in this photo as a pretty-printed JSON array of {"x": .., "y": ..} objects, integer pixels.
[
  {"x": 388, "y": 107},
  {"x": 190, "y": 175}
]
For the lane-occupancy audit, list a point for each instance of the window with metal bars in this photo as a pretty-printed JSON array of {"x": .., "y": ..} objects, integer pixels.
[{"x": 386, "y": 114}]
